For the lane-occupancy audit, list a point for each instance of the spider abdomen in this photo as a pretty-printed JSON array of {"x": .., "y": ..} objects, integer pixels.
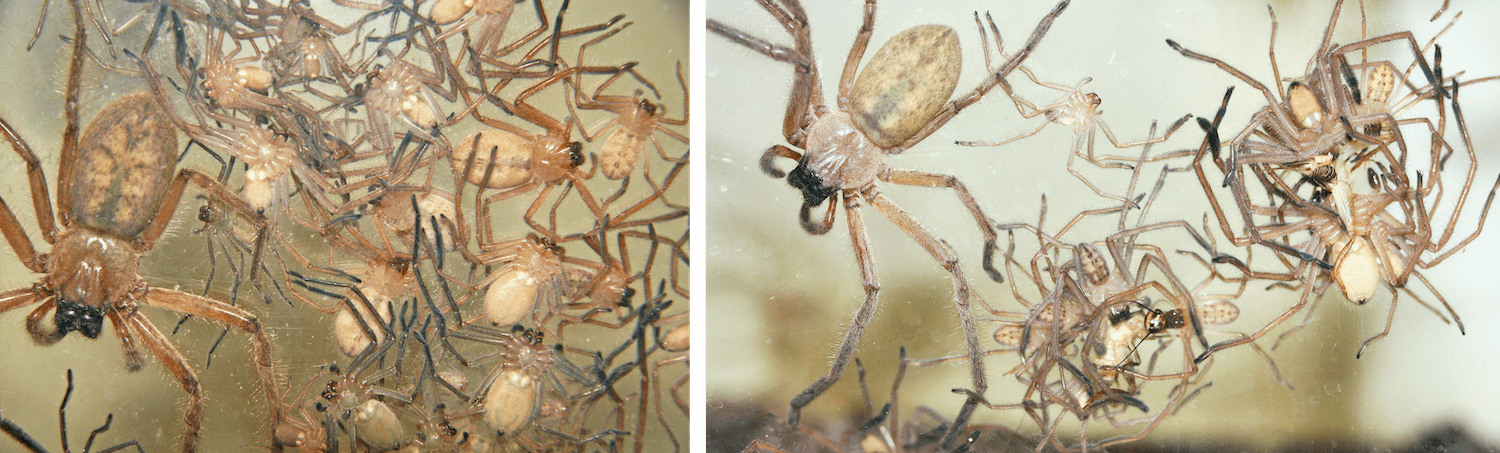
[
  {"x": 906, "y": 83},
  {"x": 120, "y": 170}
]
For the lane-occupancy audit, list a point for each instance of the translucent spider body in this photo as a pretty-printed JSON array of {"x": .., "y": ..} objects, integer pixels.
[
  {"x": 1080, "y": 344},
  {"x": 267, "y": 155},
  {"x": 1317, "y": 117},
  {"x": 388, "y": 278},
  {"x": 435, "y": 207},
  {"x": 487, "y": 19},
  {"x": 352, "y": 319},
  {"x": 1368, "y": 238},
  {"x": 360, "y": 403},
  {"x": 232, "y": 84},
  {"x": 503, "y": 159},
  {"x": 1075, "y": 109},
  {"x": 1373, "y": 249},
  {"x": 639, "y": 120},
  {"x": 303, "y": 51},
  {"x": 300, "y": 431},
  {"x": 1310, "y": 118},
  {"x": 360, "y": 317},
  {"x": 530, "y": 273},
  {"x": 520, "y": 162},
  {"x": 513, "y": 391},
  {"x": 398, "y": 95},
  {"x": 606, "y": 288}
]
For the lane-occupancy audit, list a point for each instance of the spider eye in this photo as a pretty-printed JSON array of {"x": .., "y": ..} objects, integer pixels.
[
  {"x": 1173, "y": 319},
  {"x": 625, "y": 298},
  {"x": 575, "y": 153}
]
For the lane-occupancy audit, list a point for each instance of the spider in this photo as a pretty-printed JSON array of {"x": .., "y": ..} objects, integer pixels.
[
  {"x": 843, "y": 151},
  {"x": 1078, "y": 344},
  {"x": 1310, "y": 118},
  {"x": 524, "y": 400},
  {"x": 1368, "y": 243},
  {"x": 267, "y": 154},
  {"x": 116, "y": 193},
  {"x": 390, "y": 274},
  {"x": 1316, "y": 117},
  {"x": 639, "y": 120},
  {"x": 303, "y": 50},
  {"x": 232, "y": 85},
  {"x": 488, "y": 19},
  {"x": 511, "y": 158},
  {"x": 1075, "y": 108}
]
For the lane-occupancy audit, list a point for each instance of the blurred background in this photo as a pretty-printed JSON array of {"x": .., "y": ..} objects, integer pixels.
[{"x": 780, "y": 299}]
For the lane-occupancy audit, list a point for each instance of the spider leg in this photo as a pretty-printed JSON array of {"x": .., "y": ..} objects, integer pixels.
[
  {"x": 1307, "y": 291},
  {"x": 41, "y": 201},
  {"x": 962, "y": 295},
  {"x": 133, "y": 354},
  {"x": 871, "y": 278},
  {"x": 176, "y": 364},
  {"x": 925, "y": 179},
  {"x": 42, "y": 331},
  {"x": 213, "y": 310},
  {"x": 1388, "y": 318},
  {"x": 16, "y": 298}
]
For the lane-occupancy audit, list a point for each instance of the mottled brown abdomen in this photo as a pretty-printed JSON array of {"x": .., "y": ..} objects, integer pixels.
[{"x": 124, "y": 161}]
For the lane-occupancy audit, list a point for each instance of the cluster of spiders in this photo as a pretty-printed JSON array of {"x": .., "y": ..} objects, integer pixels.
[
  {"x": 442, "y": 225},
  {"x": 1108, "y": 326}
]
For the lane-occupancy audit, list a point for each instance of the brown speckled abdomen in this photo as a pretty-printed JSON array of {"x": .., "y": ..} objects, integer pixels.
[
  {"x": 124, "y": 161},
  {"x": 907, "y": 82}
]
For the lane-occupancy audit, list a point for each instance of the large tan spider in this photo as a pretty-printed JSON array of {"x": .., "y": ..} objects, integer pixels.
[
  {"x": 898, "y": 100},
  {"x": 116, "y": 193}
]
